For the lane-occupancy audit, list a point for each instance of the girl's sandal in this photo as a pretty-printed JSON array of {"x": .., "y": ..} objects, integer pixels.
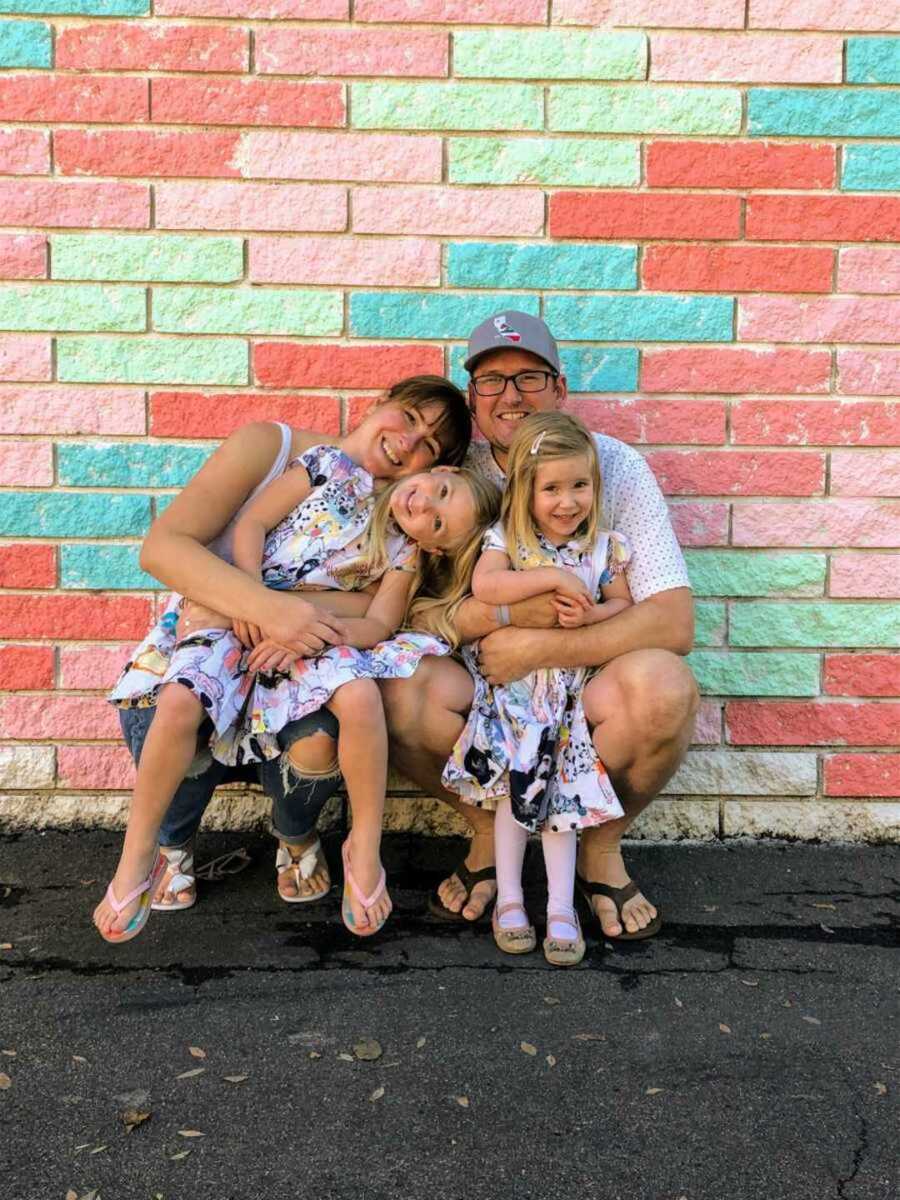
[
  {"x": 145, "y": 890},
  {"x": 564, "y": 952},
  {"x": 180, "y": 863},
  {"x": 304, "y": 866},
  {"x": 350, "y": 885},
  {"x": 513, "y": 939}
]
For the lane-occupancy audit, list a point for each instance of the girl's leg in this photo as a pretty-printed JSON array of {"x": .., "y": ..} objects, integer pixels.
[
  {"x": 510, "y": 839},
  {"x": 362, "y": 754},
  {"x": 559, "y": 859},
  {"x": 167, "y": 753}
]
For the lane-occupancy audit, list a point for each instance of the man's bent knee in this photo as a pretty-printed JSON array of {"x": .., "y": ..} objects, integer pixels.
[{"x": 661, "y": 693}]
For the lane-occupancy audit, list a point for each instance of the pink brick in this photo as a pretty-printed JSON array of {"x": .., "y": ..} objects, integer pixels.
[
  {"x": 292, "y": 364},
  {"x": 26, "y": 464},
  {"x": 367, "y": 157},
  {"x": 26, "y": 668},
  {"x": 152, "y": 46},
  {"x": 27, "y": 565},
  {"x": 145, "y": 152},
  {"x": 24, "y": 152},
  {"x": 55, "y": 716},
  {"x": 464, "y": 12},
  {"x": 396, "y": 262},
  {"x": 865, "y": 473},
  {"x": 823, "y": 218},
  {"x": 862, "y": 15},
  {"x": 866, "y": 576},
  {"x": 92, "y": 668},
  {"x": 785, "y": 422},
  {"x": 81, "y": 205},
  {"x": 497, "y": 212},
  {"x": 700, "y": 524},
  {"x": 750, "y": 164},
  {"x": 350, "y": 52},
  {"x": 246, "y": 102},
  {"x": 672, "y": 14},
  {"x": 25, "y": 357},
  {"x": 284, "y": 206},
  {"x": 828, "y": 723},
  {"x": 831, "y": 319},
  {"x": 730, "y": 370},
  {"x": 72, "y": 410},
  {"x": 189, "y": 414},
  {"x": 817, "y": 523},
  {"x": 865, "y": 775},
  {"x": 263, "y": 10},
  {"x": 869, "y": 269},
  {"x": 72, "y": 98},
  {"x": 862, "y": 674},
  {"x": 869, "y": 372},
  {"x": 94, "y": 618},
  {"x": 738, "y": 473},
  {"x": 697, "y": 267},
  {"x": 99, "y": 768},
  {"x": 708, "y": 726},
  {"x": 638, "y": 420},
  {"x": 23, "y": 256},
  {"x": 741, "y": 57}
]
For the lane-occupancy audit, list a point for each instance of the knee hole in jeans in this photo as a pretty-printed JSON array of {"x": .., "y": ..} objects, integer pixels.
[{"x": 314, "y": 755}]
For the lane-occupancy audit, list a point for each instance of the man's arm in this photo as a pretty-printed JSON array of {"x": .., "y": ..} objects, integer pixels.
[{"x": 476, "y": 620}]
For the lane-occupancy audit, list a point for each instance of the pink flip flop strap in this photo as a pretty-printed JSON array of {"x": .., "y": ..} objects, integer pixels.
[
  {"x": 365, "y": 901},
  {"x": 118, "y": 905}
]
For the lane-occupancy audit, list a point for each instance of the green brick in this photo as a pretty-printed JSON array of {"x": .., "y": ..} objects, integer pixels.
[
  {"x": 562, "y": 162},
  {"x": 429, "y": 314},
  {"x": 732, "y": 673},
  {"x": 751, "y": 573},
  {"x": 104, "y": 568},
  {"x": 163, "y": 257},
  {"x": 873, "y": 60},
  {"x": 62, "y": 306},
  {"x": 549, "y": 54},
  {"x": 645, "y": 109},
  {"x": 710, "y": 622},
  {"x": 25, "y": 44},
  {"x": 828, "y": 623},
  {"x": 152, "y": 360},
  {"x": 643, "y": 318},
  {"x": 129, "y": 464},
  {"x": 446, "y": 106},
  {"x": 541, "y": 265},
  {"x": 247, "y": 310},
  {"x": 73, "y": 514}
]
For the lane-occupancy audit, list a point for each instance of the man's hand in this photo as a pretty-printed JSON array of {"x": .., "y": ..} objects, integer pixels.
[
  {"x": 539, "y": 612},
  {"x": 509, "y": 654}
]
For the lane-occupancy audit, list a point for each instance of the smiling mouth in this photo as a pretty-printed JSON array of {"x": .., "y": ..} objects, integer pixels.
[{"x": 389, "y": 454}]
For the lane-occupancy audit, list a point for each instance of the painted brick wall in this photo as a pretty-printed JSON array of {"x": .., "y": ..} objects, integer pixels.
[{"x": 218, "y": 210}]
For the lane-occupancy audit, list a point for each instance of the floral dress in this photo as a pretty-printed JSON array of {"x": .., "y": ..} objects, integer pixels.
[
  {"x": 317, "y": 545},
  {"x": 535, "y": 728}
]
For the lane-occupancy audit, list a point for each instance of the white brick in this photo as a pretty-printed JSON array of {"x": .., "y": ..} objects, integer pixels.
[
  {"x": 825, "y": 821},
  {"x": 27, "y": 766},
  {"x": 731, "y": 773}
]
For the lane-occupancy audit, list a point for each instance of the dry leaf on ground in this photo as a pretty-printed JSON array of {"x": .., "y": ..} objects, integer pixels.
[
  {"x": 377, "y": 1094},
  {"x": 881, "y": 1089},
  {"x": 5, "y": 1082},
  {"x": 100, "y": 1149},
  {"x": 180, "y": 1154},
  {"x": 345, "y": 1057},
  {"x": 678, "y": 1002},
  {"x": 527, "y": 1048},
  {"x": 588, "y": 1037},
  {"x": 314, "y": 1054},
  {"x": 551, "y": 1061},
  {"x": 812, "y": 1020},
  {"x": 6, "y": 945},
  {"x": 368, "y": 1050},
  {"x": 833, "y": 907},
  {"x": 79, "y": 1058},
  {"x": 420, "y": 1042},
  {"x": 132, "y": 1117},
  {"x": 189, "y": 1133},
  {"x": 750, "y": 982},
  {"x": 551, "y": 999},
  {"x": 724, "y": 1028},
  {"x": 653, "y": 1091},
  {"x": 235, "y": 1078},
  {"x": 196, "y": 1052},
  {"x": 191, "y": 1074},
  {"x": 462, "y": 1101},
  {"x": 9, "y": 1053}
]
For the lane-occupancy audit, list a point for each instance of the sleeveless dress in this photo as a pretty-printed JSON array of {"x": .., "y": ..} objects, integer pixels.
[{"x": 535, "y": 728}]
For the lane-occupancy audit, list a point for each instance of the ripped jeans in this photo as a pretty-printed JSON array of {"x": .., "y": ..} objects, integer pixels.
[{"x": 297, "y": 799}]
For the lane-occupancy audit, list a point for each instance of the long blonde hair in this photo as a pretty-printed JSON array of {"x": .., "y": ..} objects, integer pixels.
[{"x": 541, "y": 438}]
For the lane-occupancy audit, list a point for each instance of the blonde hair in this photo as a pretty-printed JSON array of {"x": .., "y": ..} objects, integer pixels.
[{"x": 541, "y": 438}]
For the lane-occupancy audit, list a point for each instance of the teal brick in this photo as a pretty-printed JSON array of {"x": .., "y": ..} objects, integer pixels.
[
  {"x": 64, "y": 306},
  {"x": 104, "y": 568},
  {"x": 128, "y": 464},
  {"x": 429, "y": 314},
  {"x": 823, "y": 112},
  {"x": 646, "y": 108},
  {"x": 446, "y": 106},
  {"x": 587, "y": 368},
  {"x": 752, "y": 573},
  {"x": 873, "y": 60},
  {"x": 871, "y": 168},
  {"x": 25, "y": 44},
  {"x": 539, "y": 265},
  {"x": 732, "y": 673},
  {"x": 79, "y": 8},
  {"x": 152, "y": 360},
  {"x": 248, "y": 310},
  {"x": 557, "y": 162},
  {"x": 161, "y": 503},
  {"x": 710, "y": 623},
  {"x": 164, "y": 257},
  {"x": 642, "y": 318},
  {"x": 549, "y": 54},
  {"x": 828, "y": 623},
  {"x": 73, "y": 514}
]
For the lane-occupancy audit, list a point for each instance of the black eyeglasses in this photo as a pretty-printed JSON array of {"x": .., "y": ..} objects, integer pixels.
[{"x": 494, "y": 384}]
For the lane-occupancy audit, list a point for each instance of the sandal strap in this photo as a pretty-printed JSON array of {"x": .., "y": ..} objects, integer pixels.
[
  {"x": 118, "y": 905},
  {"x": 304, "y": 865},
  {"x": 619, "y": 896},
  {"x": 470, "y": 878}
]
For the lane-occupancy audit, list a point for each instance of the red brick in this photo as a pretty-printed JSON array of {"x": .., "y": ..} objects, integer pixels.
[
  {"x": 23, "y": 565},
  {"x": 815, "y": 423},
  {"x": 380, "y": 52},
  {"x": 700, "y": 523},
  {"x": 699, "y": 268},
  {"x": 23, "y": 256},
  {"x": 247, "y": 102},
  {"x": 26, "y": 668},
  {"x": 145, "y": 152},
  {"x": 82, "y": 205},
  {"x": 107, "y": 768},
  {"x": 823, "y": 218},
  {"x": 149, "y": 46},
  {"x": 287, "y": 364},
  {"x": 869, "y": 372},
  {"x": 862, "y": 775},
  {"x": 88, "y": 618},
  {"x": 638, "y": 420},
  {"x": 862, "y": 674},
  {"x": 737, "y": 473},
  {"x": 24, "y": 152},
  {"x": 190, "y": 414},
  {"x": 786, "y": 723},
  {"x": 732, "y": 371},
  {"x": 869, "y": 269},
  {"x": 55, "y": 716},
  {"x": 740, "y": 165},
  {"x": 72, "y": 98},
  {"x": 643, "y": 215}
]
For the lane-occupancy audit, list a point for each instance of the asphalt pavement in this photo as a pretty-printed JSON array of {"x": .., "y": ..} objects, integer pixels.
[{"x": 248, "y": 1049}]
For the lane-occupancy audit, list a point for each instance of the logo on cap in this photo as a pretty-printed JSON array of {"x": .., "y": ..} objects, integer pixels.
[{"x": 505, "y": 330}]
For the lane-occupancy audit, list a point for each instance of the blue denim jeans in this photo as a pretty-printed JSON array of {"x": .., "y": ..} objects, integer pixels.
[{"x": 297, "y": 799}]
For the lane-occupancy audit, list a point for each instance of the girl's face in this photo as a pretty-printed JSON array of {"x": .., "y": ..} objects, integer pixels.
[
  {"x": 434, "y": 508},
  {"x": 398, "y": 440},
  {"x": 562, "y": 497}
]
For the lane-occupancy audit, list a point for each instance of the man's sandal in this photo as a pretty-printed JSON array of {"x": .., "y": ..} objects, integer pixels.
[
  {"x": 180, "y": 862},
  {"x": 513, "y": 939},
  {"x": 301, "y": 868},
  {"x": 145, "y": 890},
  {"x": 564, "y": 952},
  {"x": 350, "y": 885},
  {"x": 620, "y": 897},
  {"x": 469, "y": 880}
]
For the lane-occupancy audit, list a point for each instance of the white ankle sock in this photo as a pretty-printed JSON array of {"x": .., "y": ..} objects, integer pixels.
[
  {"x": 559, "y": 859},
  {"x": 510, "y": 839}
]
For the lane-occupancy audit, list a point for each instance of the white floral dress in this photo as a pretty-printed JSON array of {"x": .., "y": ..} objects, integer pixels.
[{"x": 535, "y": 729}]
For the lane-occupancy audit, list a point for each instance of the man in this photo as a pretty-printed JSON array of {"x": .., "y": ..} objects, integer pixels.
[{"x": 642, "y": 701}]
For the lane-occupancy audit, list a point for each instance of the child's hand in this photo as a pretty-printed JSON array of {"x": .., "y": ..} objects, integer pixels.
[
  {"x": 269, "y": 655},
  {"x": 567, "y": 584},
  {"x": 571, "y": 612},
  {"x": 247, "y": 634}
]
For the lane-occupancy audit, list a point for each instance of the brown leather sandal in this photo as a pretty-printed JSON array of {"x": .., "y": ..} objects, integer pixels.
[
  {"x": 620, "y": 897},
  {"x": 468, "y": 879}
]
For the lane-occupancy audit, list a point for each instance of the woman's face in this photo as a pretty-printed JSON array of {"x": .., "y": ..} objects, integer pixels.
[
  {"x": 434, "y": 508},
  {"x": 400, "y": 440}
]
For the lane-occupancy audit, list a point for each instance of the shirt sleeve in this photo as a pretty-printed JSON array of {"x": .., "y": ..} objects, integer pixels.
[
  {"x": 642, "y": 516},
  {"x": 494, "y": 539},
  {"x": 319, "y": 462}
]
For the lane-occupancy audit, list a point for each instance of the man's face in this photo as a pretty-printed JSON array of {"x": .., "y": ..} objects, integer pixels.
[{"x": 498, "y": 417}]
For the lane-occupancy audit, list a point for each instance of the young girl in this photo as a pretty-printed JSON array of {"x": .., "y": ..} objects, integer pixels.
[{"x": 534, "y": 730}]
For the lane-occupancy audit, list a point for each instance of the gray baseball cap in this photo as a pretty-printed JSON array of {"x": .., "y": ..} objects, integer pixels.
[{"x": 511, "y": 330}]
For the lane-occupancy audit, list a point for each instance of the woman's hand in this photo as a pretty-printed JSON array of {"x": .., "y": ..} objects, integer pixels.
[
  {"x": 269, "y": 655},
  {"x": 247, "y": 634},
  {"x": 301, "y": 627}
]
